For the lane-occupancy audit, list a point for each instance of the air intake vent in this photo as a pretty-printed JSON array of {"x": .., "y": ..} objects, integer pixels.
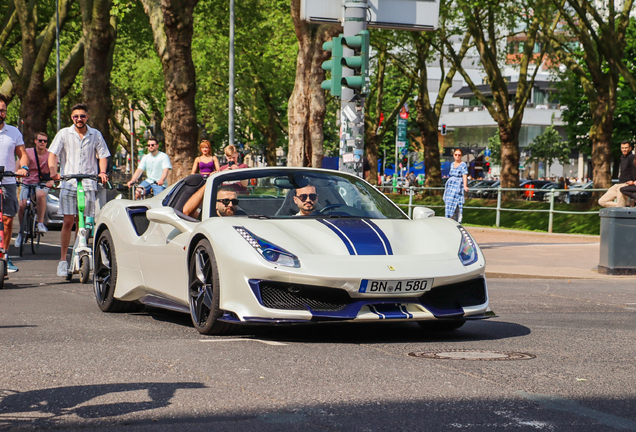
[
  {"x": 279, "y": 295},
  {"x": 139, "y": 220},
  {"x": 468, "y": 293}
]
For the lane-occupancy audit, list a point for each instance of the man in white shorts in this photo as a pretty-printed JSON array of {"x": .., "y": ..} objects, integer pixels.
[
  {"x": 156, "y": 164},
  {"x": 78, "y": 148},
  {"x": 11, "y": 145},
  {"x": 40, "y": 154}
]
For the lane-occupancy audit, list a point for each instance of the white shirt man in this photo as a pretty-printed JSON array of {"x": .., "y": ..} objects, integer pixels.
[
  {"x": 78, "y": 147},
  {"x": 11, "y": 145},
  {"x": 156, "y": 164}
]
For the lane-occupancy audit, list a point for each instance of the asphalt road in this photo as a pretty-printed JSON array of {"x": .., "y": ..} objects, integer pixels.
[{"x": 65, "y": 365}]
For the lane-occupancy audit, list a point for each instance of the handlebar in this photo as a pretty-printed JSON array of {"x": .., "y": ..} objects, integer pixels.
[{"x": 67, "y": 177}]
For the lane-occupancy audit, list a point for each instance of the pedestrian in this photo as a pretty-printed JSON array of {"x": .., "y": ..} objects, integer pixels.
[
  {"x": 206, "y": 163},
  {"x": 454, "y": 192},
  {"x": 11, "y": 145},
  {"x": 38, "y": 173},
  {"x": 630, "y": 190},
  {"x": 412, "y": 179},
  {"x": 626, "y": 177},
  {"x": 232, "y": 157},
  {"x": 157, "y": 165},
  {"x": 80, "y": 149}
]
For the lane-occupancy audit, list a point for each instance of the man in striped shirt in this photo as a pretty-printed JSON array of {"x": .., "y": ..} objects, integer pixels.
[{"x": 80, "y": 150}]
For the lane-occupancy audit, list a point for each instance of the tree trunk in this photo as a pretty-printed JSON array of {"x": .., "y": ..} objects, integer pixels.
[
  {"x": 100, "y": 33},
  {"x": 509, "y": 136},
  {"x": 37, "y": 94},
  {"x": 172, "y": 26},
  {"x": 306, "y": 109},
  {"x": 601, "y": 137},
  {"x": 430, "y": 140}
]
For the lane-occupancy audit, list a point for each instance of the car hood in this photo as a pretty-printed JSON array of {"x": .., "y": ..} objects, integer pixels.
[{"x": 437, "y": 237}]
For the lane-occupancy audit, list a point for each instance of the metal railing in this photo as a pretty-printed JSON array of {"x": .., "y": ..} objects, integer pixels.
[{"x": 411, "y": 190}]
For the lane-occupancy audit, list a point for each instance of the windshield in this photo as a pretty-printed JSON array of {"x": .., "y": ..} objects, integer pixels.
[{"x": 276, "y": 193}]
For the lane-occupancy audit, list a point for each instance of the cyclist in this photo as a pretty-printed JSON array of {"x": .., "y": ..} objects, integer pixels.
[
  {"x": 81, "y": 150},
  {"x": 11, "y": 145},
  {"x": 156, "y": 164},
  {"x": 38, "y": 154}
]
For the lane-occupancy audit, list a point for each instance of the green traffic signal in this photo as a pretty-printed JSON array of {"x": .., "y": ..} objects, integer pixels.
[
  {"x": 358, "y": 62},
  {"x": 334, "y": 66}
]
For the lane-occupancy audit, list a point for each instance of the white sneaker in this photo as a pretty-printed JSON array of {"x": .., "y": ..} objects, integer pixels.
[
  {"x": 18, "y": 240},
  {"x": 42, "y": 228},
  {"x": 62, "y": 269}
]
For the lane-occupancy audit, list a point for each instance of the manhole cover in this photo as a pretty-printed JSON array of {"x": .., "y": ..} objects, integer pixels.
[{"x": 473, "y": 355}]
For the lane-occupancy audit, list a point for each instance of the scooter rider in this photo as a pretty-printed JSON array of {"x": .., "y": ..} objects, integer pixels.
[
  {"x": 11, "y": 145},
  {"x": 79, "y": 148}
]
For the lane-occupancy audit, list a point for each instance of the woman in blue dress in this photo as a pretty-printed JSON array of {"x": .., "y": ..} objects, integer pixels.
[{"x": 454, "y": 192}]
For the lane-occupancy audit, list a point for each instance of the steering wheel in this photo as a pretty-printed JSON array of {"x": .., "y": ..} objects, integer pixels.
[{"x": 329, "y": 207}]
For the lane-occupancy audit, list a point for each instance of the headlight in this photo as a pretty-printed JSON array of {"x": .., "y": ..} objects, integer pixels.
[
  {"x": 467, "y": 249},
  {"x": 269, "y": 251}
]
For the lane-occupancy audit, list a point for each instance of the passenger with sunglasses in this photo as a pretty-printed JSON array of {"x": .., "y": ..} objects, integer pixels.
[
  {"x": 157, "y": 165},
  {"x": 226, "y": 202},
  {"x": 80, "y": 150},
  {"x": 306, "y": 199},
  {"x": 37, "y": 155}
]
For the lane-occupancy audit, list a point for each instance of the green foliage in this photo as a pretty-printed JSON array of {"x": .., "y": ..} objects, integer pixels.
[
  {"x": 494, "y": 144},
  {"x": 549, "y": 147}
]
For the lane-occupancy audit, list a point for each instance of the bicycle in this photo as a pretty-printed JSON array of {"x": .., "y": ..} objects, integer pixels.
[
  {"x": 4, "y": 254},
  {"x": 29, "y": 224},
  {"x": 80, "y": 260}
]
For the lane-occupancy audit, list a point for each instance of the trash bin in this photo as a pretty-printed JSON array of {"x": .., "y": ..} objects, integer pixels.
[{"x": 618, "y": 241}]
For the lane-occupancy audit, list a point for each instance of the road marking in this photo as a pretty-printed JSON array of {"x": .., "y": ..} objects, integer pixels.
[
  {"x": 561, "y": 404},
  {"x": 266, "y": 342}
]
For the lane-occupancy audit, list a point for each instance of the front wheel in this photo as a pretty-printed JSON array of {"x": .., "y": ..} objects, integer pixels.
[
  {"x": 24, "y": 230},
  {"x": 203, "y": 291},
  {"x": 85, "y": 269},
  {"x": 3, "y": 272},
  {"x": 35, "y": 236},
  {"x": 105, "y": 277}
]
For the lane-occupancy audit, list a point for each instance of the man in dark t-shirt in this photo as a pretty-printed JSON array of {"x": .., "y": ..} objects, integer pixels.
[{"x": 627, "y": 177}]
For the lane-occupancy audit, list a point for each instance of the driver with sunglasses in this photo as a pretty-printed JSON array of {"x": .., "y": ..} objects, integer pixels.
[{"x": 306, "y": 199}]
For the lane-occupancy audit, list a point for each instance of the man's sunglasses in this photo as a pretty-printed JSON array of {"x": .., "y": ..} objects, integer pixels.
[
  {"x": 226, "y": 201},
  {"x": 303, "y": 197},
  {"x": 43, "y": 141},
  {"x": 150, "y": 145},
  {"x": 80, "y": 116}
]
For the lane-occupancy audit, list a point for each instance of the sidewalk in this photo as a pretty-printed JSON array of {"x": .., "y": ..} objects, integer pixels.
[{"x": 524, "y": 254}]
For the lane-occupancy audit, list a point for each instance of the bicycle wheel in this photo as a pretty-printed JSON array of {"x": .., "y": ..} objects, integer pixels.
[
  {"x": 3, "y": 272},
  {"x": 24, "y": 229},
  {"x": 35, "y": 235}
]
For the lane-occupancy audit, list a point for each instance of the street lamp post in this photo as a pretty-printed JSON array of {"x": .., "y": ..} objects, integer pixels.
[
  {"x": 57, "y": 62},
  {"x": 231, "y": 102}
]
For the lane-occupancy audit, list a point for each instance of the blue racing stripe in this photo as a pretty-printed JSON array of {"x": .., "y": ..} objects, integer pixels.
[
  {"x": 339, "y": 234},
  {"x": 366, "y": 241},
  {"x": 383, "y": 236}
]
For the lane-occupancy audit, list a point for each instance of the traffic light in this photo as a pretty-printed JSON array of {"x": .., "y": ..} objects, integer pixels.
[
  {"x": 359, "y": 62},
  {"x": 487, "y": 167},
  {"x": 443, "y": 129},
  {"x": 334, "y": 66}
]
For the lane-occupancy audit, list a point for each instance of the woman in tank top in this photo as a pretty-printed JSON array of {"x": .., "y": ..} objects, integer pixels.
[{"x": 205, "y": 164}]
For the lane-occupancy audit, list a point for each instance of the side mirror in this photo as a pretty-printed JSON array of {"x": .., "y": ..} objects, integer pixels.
[
  {"x": 167, "y": 215},
  {"x": 422, "y": 212}
]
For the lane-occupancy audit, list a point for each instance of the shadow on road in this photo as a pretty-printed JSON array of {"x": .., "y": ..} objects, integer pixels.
[{"x": 19, "y": 409}]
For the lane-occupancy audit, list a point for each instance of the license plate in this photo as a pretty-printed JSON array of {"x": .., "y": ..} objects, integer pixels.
[{"x": 395, "y": 286}]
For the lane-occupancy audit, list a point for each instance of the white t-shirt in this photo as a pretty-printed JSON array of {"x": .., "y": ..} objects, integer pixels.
[
  {"x": 10, "y": 138},
  {"x": 154, "y": 166}
]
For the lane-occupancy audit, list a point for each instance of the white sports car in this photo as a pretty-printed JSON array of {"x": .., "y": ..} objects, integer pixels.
[{"x": 286, "y": 246}]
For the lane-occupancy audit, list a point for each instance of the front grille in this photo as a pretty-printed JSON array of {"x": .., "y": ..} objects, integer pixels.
[
  {"x": 279, "y": 295},
  {"x": 139, "y": 220},
  {"x": 462, "y": 294}
]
